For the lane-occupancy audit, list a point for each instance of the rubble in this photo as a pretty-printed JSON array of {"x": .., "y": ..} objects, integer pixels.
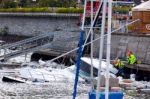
[{"x": 135, "y": 89}]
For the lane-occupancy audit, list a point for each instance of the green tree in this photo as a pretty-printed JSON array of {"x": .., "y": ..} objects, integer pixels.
[
  {"x": 8, "y": 4},
  {"x": 44, "y": 3},
  {"x": 25, "y": 3}
]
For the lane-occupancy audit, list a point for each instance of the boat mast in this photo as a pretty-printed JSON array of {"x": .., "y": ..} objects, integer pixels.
[
  {"x": 80, "y": 51},
  {"x": 108, "y": 48}
]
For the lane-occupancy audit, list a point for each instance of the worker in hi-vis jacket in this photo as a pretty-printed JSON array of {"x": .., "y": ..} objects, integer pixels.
[
  {"x": 131, "y": 58},
  {"x": 120, "y": 66}
]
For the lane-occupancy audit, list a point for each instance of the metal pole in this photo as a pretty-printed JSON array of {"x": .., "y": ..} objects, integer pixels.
[
  {"x": 108, "y": 48},
  {"x": 83, "y": 21},
  {"x": 92, "y": 85},
  {"x": 79, "y": 54},
  {"x": 79, "y": 3},
  {"x": 101, "y": 43}
]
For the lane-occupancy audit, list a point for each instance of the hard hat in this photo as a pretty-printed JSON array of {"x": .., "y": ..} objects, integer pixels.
[{"x": 129, "y": 52}]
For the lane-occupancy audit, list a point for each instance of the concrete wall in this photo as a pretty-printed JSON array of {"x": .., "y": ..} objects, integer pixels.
[
  {"x": 66, "y": 27},
  {"x": 63, "y": 26},
  {"x": 139, "y": 45},
  {"x": 33, "y": 25}
]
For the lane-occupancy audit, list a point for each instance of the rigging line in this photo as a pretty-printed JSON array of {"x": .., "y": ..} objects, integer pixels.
[{"x": 93, "y": 41}]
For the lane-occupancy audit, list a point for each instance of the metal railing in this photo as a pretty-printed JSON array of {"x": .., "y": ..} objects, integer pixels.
[{"x": 26, "y": 46}]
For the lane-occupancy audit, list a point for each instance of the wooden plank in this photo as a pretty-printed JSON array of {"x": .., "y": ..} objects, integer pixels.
[{"x": 146, "y": 16}]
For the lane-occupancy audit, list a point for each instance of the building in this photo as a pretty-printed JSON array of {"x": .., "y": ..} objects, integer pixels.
[{"x": 142, "y": 12}]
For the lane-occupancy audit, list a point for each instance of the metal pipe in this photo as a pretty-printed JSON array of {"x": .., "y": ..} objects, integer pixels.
[
  {"x": 92, "y": 84},
  {"x": 83, "y": 21}
]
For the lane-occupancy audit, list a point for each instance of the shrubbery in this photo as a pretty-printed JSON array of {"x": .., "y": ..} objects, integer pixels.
[
  {"x": 56, "y": 3},
  {"x": 26, "y": 10},
  {"x": 122, "y": 9},
  {"x": 69, "y": 10},
  {"x": 45, "y": 9},
  {"x": 8, "y": 4}
]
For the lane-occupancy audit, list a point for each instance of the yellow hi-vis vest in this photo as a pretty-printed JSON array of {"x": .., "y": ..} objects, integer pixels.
[
  {"x": 131, "y": 59},
  {"x": 119, "y": 65}
]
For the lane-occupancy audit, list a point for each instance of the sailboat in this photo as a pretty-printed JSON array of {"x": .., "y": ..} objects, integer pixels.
[{"x": 33, "y": 73}]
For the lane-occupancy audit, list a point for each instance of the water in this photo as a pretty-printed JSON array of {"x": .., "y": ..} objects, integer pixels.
[{"x": 40, "y": 91}]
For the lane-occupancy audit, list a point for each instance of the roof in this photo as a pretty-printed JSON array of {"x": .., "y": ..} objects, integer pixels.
[{"x": 145, "y": 6}]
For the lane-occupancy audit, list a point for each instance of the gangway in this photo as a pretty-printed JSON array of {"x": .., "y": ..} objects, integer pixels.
[{"x": 32, "y": 44}]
